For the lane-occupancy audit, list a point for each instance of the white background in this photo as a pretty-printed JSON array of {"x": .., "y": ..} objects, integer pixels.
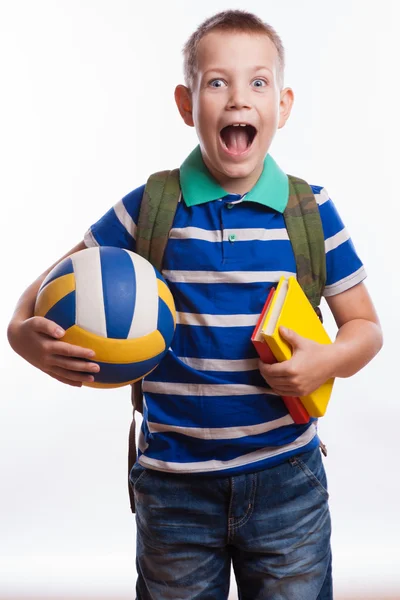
[{"x": 86, "y": 114}]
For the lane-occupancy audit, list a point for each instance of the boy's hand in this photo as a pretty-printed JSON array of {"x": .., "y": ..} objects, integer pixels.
[
  {"x": 38, "y": 341},
  {"x": 309, "y": 367}
]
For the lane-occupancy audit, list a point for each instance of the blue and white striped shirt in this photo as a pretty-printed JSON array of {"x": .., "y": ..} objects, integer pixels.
[{"x": 207, "y": 408}]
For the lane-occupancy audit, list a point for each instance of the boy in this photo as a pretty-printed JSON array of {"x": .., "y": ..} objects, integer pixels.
[{"x": 223, "y": 472}]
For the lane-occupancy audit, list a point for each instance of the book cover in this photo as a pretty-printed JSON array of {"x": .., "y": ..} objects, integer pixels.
[
  {"x": 293, "y": 404},
  {"x": 291, "y": 308}
]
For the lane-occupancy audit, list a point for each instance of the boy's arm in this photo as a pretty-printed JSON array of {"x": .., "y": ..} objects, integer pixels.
[
  {"x": 358, "y": 340},
  {"x": 37, "y": 339},
  {"x": 359, "y": 337}
]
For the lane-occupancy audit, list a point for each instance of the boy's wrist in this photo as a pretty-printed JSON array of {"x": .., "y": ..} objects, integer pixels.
[{"x": 337, "y": 358}]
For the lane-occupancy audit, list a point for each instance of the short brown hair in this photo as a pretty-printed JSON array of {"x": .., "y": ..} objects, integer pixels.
[{"x": 229, "y": 20}]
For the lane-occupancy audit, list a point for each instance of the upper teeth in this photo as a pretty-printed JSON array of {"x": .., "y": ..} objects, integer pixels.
[{"x": 239, "y": 124}]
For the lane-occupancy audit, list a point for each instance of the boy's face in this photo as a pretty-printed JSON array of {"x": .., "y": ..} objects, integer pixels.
[{"x": 237, "y": 83}]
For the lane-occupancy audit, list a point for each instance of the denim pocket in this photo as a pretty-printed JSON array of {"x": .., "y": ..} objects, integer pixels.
[
  {"x": 137, "y": 474},
  {"x": 311, "y": 465}
]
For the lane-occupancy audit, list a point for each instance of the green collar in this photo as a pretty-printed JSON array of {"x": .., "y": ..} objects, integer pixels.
[{"x": 199, "y": 186}]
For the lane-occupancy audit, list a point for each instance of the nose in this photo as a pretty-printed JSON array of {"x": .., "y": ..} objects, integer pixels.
[{"x": 238, "y": 98}]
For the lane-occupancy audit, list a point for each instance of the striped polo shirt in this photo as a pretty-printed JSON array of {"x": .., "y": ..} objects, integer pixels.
[{"x": 207, "y": 409}]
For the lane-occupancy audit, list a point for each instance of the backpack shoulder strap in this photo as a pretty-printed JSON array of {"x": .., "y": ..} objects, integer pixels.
[
  {"x": 303, "y": 223},
  {"x": 157, "y": 211}
]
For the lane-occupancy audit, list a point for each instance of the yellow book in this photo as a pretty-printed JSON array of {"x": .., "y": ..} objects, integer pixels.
[{"x": 291, "y": 308}]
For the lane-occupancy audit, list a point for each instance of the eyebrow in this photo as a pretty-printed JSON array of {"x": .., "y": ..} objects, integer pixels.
[{"x": 222, "y": 70}]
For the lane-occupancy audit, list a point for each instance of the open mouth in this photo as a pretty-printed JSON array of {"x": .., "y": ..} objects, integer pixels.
[{"x": 237, "y": 139}]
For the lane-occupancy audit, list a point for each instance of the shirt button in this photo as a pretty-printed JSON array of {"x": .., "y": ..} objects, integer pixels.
[
  {"x": 229, "y": 205},
  {"x": 232, "y": 237}
]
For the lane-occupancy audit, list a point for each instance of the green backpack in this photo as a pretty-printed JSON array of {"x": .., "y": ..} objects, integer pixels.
[{"x": 303, "y": 224}]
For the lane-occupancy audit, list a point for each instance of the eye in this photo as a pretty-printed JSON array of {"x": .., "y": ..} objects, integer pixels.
[
  {"x": 258, "y": 83},
  {"x": 217, "y": 83}
]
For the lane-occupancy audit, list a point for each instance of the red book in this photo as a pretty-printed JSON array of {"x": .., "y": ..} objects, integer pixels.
[{"x": 293, "y": 404}]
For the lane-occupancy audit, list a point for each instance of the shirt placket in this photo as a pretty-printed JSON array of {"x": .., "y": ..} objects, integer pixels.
[{"x": 229, "y": 222}]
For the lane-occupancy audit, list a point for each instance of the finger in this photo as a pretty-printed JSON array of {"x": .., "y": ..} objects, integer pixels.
[
  {"x": 282, "y": 369},
  {"x": 47, "y": 327},
  {"x": 282, "y": 388},
  {"x": 284, "y": 391},
  {"x": 282, "y": 384},
  {"x": 74, "y": 364},
  {"x": 294, "y": 339},
  {"x": 289, "y": 389},
  {"x": 72, "y": 375},
  {"x": 64, "y": 349},
  {"x": 67, "y": 381}
]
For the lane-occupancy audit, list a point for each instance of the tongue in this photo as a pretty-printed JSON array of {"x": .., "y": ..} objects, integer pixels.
[{"x": 235, "y": 138}]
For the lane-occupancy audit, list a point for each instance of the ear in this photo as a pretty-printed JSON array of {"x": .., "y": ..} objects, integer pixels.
[
  {"x": 285, "y": 106},
  {"x": 183, "y": 99}
]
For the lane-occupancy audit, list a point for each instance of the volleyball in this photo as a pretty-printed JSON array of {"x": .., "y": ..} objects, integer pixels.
[{"x": 116, "y": 303}]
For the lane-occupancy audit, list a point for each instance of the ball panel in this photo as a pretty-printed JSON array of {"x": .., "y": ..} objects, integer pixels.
[
  {"x": 65, "y": 267},
  {"x": 53, "y": 292},
  {"x": 107, "y": 386},
  {"x": 165, "y": 293},
  {"x": 99, "y": 385},
  {"x": 165, "y": 325},
  {"x": 146, "y": 309},
  {"x": 63, "y": 313},
  {"x": 122, "y": 373},
  {"x": 119, "y": 291},
  {"x": 90, "y": 313},
  {"x": 117, "y": 351}
]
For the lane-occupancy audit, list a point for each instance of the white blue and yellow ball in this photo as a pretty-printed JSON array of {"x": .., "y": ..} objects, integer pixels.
[{"x": 116, "y": 303}]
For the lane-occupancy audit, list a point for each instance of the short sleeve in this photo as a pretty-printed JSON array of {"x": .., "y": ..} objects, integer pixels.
[
  {"x": 344, "y": 268},
  {"x": 118, "y": 226}
]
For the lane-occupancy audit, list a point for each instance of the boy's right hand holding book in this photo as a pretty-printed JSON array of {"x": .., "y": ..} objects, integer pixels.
[
  {"x": 308, "y": 369},
  {"x": 308, "y": 360}
]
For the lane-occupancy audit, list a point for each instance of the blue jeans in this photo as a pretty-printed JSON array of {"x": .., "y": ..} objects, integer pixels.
[{"x": 273, "y": 526}]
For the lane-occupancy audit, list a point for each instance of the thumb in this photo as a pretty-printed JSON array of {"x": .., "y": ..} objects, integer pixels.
[
  {"x": 48, "y": 327},
  {"x": 294, "y": 339}
]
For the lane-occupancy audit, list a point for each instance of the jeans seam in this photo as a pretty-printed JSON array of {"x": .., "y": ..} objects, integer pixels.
[
  {"x": 232, "y": 527},
  {"x": 250, "y": 508},
  {"x": 231, "y": 519}
]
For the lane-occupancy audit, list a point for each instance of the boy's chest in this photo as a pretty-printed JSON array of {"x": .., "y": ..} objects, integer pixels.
[{"x": 228, "y": 236}]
